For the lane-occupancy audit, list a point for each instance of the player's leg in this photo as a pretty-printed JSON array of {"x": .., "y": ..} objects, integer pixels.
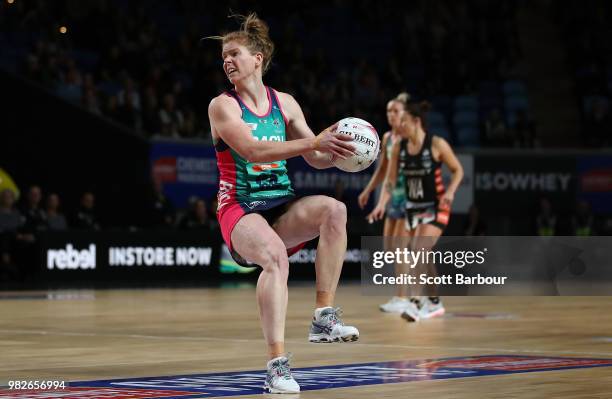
[
  {"x": 254, "y": 240},
  {"x": 396, "y": 236},
  {"x": 325, "y": 217},
  {"x": 403, "y": 237},
  {"x": 430, "y": 304}
]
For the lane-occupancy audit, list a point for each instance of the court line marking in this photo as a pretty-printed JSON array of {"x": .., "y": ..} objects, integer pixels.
[{"x": 238, "y": 340}]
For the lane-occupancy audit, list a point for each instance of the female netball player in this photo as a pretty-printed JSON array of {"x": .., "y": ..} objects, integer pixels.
[
  {"x": 394, "y": 221},
  {"x": 255, "y": 129},
  {"x": 418, "y": 157}
]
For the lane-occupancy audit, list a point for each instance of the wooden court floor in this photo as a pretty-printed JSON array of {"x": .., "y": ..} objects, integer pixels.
[{"x": 107, "y": 334}]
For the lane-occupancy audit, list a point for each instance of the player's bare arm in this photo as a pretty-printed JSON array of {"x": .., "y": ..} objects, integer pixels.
[
  {"x": 224, "y": 114},
  {"x": 298, "y": 129},
  {"x": 447, "y": 156}
]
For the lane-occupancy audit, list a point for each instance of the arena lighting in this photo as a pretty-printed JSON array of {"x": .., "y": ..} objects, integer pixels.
[{"x": 63, "y": 29}]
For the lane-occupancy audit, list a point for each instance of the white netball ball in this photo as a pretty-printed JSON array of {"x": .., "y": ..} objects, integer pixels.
[{"x": 365, "y": 140}]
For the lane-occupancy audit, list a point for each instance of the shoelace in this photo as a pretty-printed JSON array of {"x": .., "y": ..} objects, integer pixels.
[
  {"x": 334, "y": 316},
  {"x": 282, "y": 368}
]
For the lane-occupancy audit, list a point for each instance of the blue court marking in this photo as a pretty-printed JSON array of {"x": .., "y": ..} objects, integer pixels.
[{"x": 347, "y": 375}]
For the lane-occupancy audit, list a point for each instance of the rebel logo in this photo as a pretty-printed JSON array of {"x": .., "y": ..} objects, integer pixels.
[{"x": 71, "y": 258}]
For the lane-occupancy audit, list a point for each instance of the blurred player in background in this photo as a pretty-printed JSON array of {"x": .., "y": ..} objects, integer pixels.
[
  {"x": 394, "y": 226},
  {"x": 255, "y": 129},
  {"x": 418, "y": 157}
]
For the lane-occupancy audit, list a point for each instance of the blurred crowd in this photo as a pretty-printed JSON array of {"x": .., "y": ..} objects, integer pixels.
[
  {"x": 584, "y": 30},
  {"x": 144, "y": 65},
  {"x": 23, "y": 223}
]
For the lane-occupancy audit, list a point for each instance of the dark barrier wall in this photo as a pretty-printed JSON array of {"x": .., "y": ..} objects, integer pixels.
[
  {"x": 512, "y": 183},
  {"x": 160, "y": 256},
  {"x": 125, "y": 256},
  {"x": 65, "y": 149}
]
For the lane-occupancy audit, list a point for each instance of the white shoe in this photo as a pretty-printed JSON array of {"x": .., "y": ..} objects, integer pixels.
[
  {"x": 412, "y": 312},
  {"x": 431, "y": 307},
  {"x": 327, "y": 326},
  {"x": 395, "y": 305},
  {"x": 279, "y": 378}
]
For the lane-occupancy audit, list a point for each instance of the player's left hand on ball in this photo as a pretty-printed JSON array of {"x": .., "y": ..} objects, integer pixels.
[
  {"x": 331, "y": 129},
  {"x": 335, "y": 143}
]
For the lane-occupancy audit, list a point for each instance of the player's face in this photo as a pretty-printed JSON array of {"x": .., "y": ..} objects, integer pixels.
[
  {"x": 394, "y": 113},
  {"x": 409, "y": 124},
  {"x": 238, "y": 62}
]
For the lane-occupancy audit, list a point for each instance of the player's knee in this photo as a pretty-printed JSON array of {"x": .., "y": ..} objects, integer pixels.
[
  {"x": 274, "y": 257},
  {"x": 335, "y": 213}
]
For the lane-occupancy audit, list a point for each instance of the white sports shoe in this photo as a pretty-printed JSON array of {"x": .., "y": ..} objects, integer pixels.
[
  {"x": 431, "y": 307},
  {"x": 395, "y": 305},
  {"x": 327, "y": 326},
  {"x": 279, "y": 378},
  {"x": 412, "y": 312}
]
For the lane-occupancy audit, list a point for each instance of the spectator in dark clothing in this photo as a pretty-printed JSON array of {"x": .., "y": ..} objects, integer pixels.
[
  {"x": 129, "y": 105},
  {"x": 70, "y": 87},
  {"x": 10, "y": 218},
  {"x": 496, "y": 133},
  {"x": 85, "y": 218},
  {"x": 198, "y": 218},
  {"x": 33, "y": 69},
  {"x": 599, "y": 125},
  {"x": 524, "y": 131},
  {"x": 474, "y": 225},
  {"x": 546, "y": 221},
  {"x": 90, "y": 101},
  {"x": 112, "y": 63},
  {"x": 162, "y": 213},
  {"x": 112, "y": 108},
  {"x": 150, "y": 112},
  {"x": 171, "y": 119},
  {"x": 55, "y": 219},
  {"x": 583, "y": 222},
  {"x": 191, "y": 127},
  {"x": 129, "y": 95},
  {"x": 10, "y": 222},
  {"x": 35, "y": 216}
]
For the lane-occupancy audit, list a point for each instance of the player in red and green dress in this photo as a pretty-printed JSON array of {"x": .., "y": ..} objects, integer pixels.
[{"x": 255, "y": 129}]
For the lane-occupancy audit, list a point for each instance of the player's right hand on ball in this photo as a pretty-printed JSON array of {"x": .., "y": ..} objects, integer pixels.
[{"x": 335, "y": 143}]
